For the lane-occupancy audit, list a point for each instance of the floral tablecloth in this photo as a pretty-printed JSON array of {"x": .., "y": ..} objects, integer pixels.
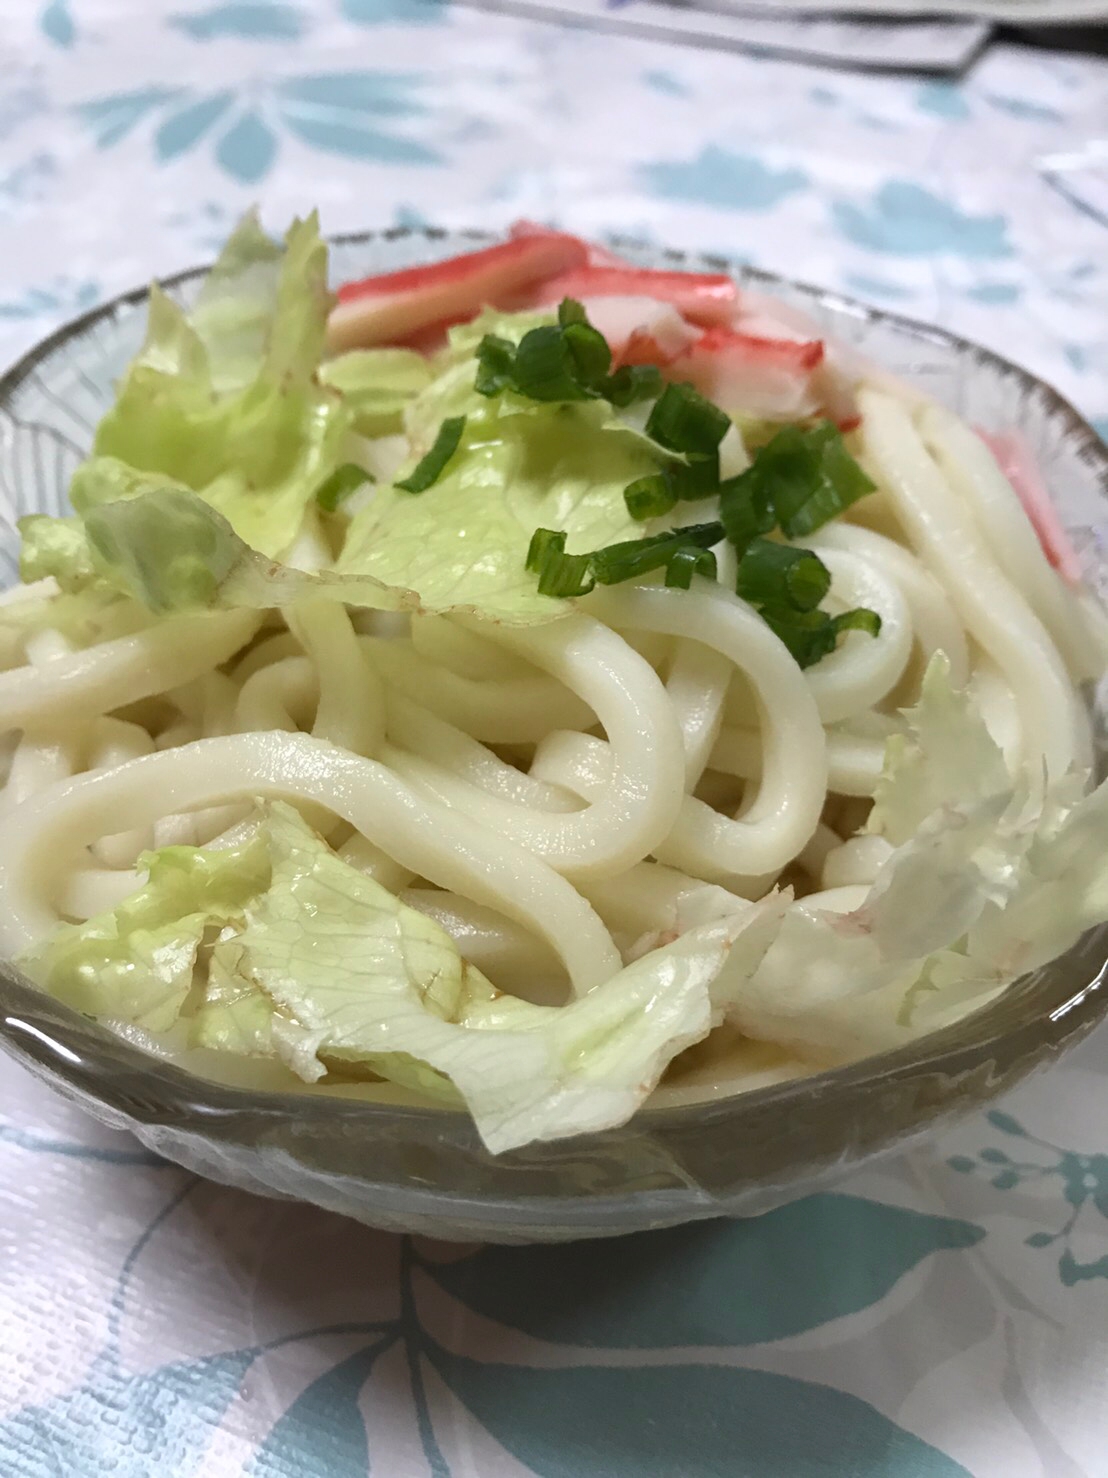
[{"x": 945, "y": 1312}]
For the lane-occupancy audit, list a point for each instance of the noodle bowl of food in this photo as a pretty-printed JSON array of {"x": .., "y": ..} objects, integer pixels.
[{"x": 540, "y": 742}]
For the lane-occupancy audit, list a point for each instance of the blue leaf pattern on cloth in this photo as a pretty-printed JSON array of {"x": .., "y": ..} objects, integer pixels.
[
  {"x": 720, "y": 1283},
  {"x": 42, "y": 1144},
  {"x": 720, "y": 1422},
  {"x": 61, "y": 296},
  {"x": 943, "y": 100},
  {"x": 995, "y": 292},
  {"x": 57, "y": 23},
  {"x": 253, "y": 20},
  {"x": 395, "y": 12},
  {"x": 344, "y": 113},
  {"x": 185, "y": 127},
  {"x": 125, "y": 1426},
  {"x": 908, "y": 220},
  {"x": 112, "y": 118},
  {"x": 875, "y": 287},
  {"x": 330, "y": 112},
  {"x": 660, "y": 80},
  {"x": 246, "y": 150},
  {"x": 322, "y": 1434},
  {"x": 1026, "y": 109},
  {"x": 1082, "y": 1181},
  {"x": 727, "y": 181}
]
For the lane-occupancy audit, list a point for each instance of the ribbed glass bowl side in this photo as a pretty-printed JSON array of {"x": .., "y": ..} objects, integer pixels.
[{"x": 425, "y": 1169}]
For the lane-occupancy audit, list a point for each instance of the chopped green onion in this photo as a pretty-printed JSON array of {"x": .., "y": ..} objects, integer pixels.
[
  {"x": 342, "y": 482},
  {"x": 687, "y": 562},
  {"x": 592, "y": 359},
  {"x": 682, "y": 420},
  {"x": 649, "y": 497},
  {"x": 633, "y": 382},
  {"x": 811, "y": 477},
  {"x": 696, "y": 478},
  {"x": 781, "y": 575},
  {"x": 560, "y": 574},
  {"x": 495, "y": 365},
  {"x": 633, "y": 557},
  {"x": 545, "y": 368},
  {"x": 429, "y": 468},
  {"x": 861, "y": 618},
  {"x": 812, "y": 635},
  {"x": 745, "y": 509}
]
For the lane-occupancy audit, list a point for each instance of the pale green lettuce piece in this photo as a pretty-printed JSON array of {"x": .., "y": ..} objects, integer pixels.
[
  {"x": 377, "y": 385},
  {"x": 992, "y": 877},
  {"x": 136, "y": 963},
  {"x": 376, "y": 983},
  {"x": 171, "y": 551},
  {"x": 56, "y": 548},
  {"x": 463, "y": 543},
  {"x": 226, "y": 400},
  {"x": 948, "y": 759}
]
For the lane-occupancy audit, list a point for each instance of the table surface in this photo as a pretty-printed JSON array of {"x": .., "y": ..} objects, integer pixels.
[{"x": 941, "y": 1313}]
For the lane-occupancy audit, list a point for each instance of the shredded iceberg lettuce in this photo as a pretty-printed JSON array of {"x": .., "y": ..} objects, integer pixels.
[
  {"x": 136, "y": 963},
  {"x": 318, "y": 965},
  {"x": 989, "y": 879}
]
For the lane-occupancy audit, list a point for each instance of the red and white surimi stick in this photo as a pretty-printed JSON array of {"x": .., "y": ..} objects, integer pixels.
[
  {"x": 1017, "y": 461},
  {"x": 771, "y": 378},
  {"x": 398, "y": 305},
  {"x": 597, "y": 256},
  {"x": 640, "y": 330},
  {"x": 705, "y": 298}
]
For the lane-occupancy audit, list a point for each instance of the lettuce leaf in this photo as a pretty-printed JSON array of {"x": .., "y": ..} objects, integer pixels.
[
  {"x": 226, "y": 400},
  {"x": 136, "y": 963},
  {"x": 171, "y": 551},
  {"x": 991, "y": 877},
  {"x": 56, "y": 548},
  {"x": 459, "y": 546},
  {"x": 319, "y": 966},
  {"x": 374, "y": 978},
  {"x": 377, "y": 385},
  {"x": 462, "y": 544}
]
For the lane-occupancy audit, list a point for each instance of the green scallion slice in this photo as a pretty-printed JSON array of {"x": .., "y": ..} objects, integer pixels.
[{"x": 429, "y": 469}]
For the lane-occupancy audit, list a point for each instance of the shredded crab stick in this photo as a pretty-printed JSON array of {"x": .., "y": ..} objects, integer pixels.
[
  {"x": 705, "y": 298},
  {"x": 1017, "y": 461},
  {"x": 764, "y": 377},
  {"x": 397, "y": 305},
  {"x": 595, "y": 256},
  {"x": 640, "y": 330}
]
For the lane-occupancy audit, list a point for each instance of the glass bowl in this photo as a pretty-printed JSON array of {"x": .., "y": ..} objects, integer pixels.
[{"x": 425, "y": 1169}]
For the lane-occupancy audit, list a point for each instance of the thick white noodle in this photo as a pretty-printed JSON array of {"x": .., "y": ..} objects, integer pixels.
[
  {"x": 934, "y": 624},
  {"x": 944, "y": 532},
  {"x": 786, "y": 807},
  {"x": 433, "y": 842},
  {"x": 697, "y": 686},
  {"x": 121, "y": 671},
  {"x": 511, "y": 957},
  {"x": 863, "y": 668},
  {"x": 639, "y": 802},
  {"x": 111, "y": 742},
  {"x": 351, "y": 708},
  {"x": 444, "y": 642},
  {"x": 518, "y": 710},
  {"x": 421, "y": 733},
  {"x": 972, "y": 471}
]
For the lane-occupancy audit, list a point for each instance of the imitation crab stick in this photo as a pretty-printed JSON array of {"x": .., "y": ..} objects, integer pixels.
[{"x": 398, "y": 305}]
